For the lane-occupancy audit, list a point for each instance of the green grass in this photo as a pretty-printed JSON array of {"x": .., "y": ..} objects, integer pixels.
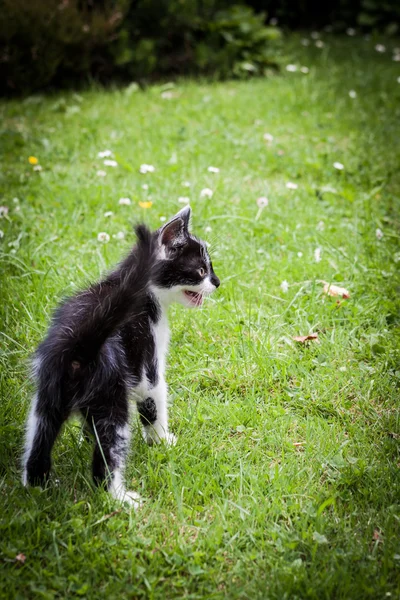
[{"x": 285, "y": 479}]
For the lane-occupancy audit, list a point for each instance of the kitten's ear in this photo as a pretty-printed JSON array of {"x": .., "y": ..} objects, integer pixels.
[
  {"x": 176, "y": 228},
  {"x": 184, "y": 214}
]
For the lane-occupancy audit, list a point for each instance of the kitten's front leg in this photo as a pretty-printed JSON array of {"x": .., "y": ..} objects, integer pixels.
[{"x": 153, "y": 412}]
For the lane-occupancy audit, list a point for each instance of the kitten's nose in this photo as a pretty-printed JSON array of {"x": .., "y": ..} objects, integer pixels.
[{"x": 215, "y": 281}]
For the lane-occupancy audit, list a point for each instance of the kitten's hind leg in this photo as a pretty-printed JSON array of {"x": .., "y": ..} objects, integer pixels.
[
  {"x": 112, "y": 436},
  {"x": 43, "y": 426}
]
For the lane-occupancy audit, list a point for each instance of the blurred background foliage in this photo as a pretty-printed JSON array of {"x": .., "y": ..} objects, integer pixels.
[{"x": 50, "y": 43}]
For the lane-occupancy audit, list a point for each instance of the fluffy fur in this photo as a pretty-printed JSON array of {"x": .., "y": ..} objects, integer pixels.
[{"x": 108, "y": 344}]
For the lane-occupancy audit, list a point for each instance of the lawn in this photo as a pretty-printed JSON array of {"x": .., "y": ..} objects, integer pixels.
[{"x": 285, "y": 481}]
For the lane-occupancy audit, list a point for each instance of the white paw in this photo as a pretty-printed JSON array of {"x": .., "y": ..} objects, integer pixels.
[
  {"x": 152, "y": 437},
  {"x": 132, "y": 498},
  {"x": 127, "y": 497},
  {"x": 170, "y": 439}
]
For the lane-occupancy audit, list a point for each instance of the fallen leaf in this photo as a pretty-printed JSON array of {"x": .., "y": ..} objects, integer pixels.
[
  {"x": 302, "y": 339},
  {"x": 20, "y": 558},
  {"x": 377, "y": 535},
  {"x": 335, "y": 290},
  {"x": 298, "y": 443}
]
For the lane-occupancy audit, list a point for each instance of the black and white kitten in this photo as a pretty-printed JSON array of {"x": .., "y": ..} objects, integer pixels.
[{"x": 108, "y": 344}]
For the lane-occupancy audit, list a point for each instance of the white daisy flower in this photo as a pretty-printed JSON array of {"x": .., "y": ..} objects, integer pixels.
[
  {"x": 162, "y": 219},
  {"x": 110, "y": 163},
  {"x": 304, "y": 70},
  {"x": 186, "y": 184},
  {"x": 291, "y": 68},
  {"x": 315, "y": 35},
  {"x": 353, "y": 94},
  {"x": 299, "y": 254},
  {"x": 380, "y": 48},
  {"x": 317, "y": 255},
  {"x": 319, "y": 44},
  {"x": 379, "y": 234},
  {"x": 184, "y": 199},
  {"x": 146, "y": 168},
  {"x": 262, "y": 201},
  {"x": 268, "y": 137},
  {"x": 206, "y": 193},
  {"x": 338, "y": 166},
  {"x": 1, "y": 234},
  {"x": 109, "y": 213},
  {"x": 320, "y": 226},
  {"x": 103, "y": 237},
  {"x": 124, "y": 201},
  {"x": 396, "y": 57},
  {"x": 350, "y": 31},
  {"x": 208, "y": 229},
  {"x": 37, "y": 168},
  {"x": 398, "y": 80},
  {"x": 15, "y": 200},
  {"x": 284, "y": 286},
  {"x": 119, "y": 236},
  {"x": 3, "y": 211},
  {"x": 104, "y": 154},
  {"x": 305, "y": 42},
  {"x": 291, "y": 186},
  {"x": 145, "y": 186},
  {"x": 213, "y": 170},
  {"x": 101, "y": 173}
]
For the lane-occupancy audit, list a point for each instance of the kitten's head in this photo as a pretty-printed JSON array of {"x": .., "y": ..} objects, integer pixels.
[{"x": 184, "y": 271}]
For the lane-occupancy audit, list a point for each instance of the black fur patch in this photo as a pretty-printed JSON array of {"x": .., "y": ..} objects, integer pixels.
[{"x": 147, "y": 411}]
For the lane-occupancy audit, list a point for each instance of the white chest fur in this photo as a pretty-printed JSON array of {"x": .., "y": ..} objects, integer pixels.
[
  {"x": 144, "y": 388},
  {"x": 161, "y": 340}
]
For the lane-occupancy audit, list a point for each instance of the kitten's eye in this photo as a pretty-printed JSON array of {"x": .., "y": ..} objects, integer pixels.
[{"x": 202, "y": 272}]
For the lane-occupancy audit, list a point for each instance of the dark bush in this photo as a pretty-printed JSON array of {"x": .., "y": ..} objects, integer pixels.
[
  {"x": 42, "y": 39},
  {"x": 51, "y": 42},
  {"x": 367, "y": 14},
  {"x": 47, "y": 41},
  {"x": 197, "y": 38}
]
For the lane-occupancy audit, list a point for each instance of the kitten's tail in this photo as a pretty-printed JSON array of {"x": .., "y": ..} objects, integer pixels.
[{"x": 83, "y": 324}]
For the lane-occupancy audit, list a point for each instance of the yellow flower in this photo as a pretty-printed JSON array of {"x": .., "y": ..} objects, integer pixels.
[
  {"x": 33, "y": 160},
  {"x": 145, "y": 204}
]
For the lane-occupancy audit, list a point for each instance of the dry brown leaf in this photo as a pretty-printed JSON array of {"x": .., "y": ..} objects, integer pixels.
[
  {"x": 377, "y": 535},
  {"x": 335, "y": 290},
  {"x": 20, "y": 558},
  {"x": 302, "y": 339}
]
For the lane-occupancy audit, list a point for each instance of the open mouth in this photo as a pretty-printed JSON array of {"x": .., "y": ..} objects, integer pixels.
[{"x": 194, "y": 298}]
